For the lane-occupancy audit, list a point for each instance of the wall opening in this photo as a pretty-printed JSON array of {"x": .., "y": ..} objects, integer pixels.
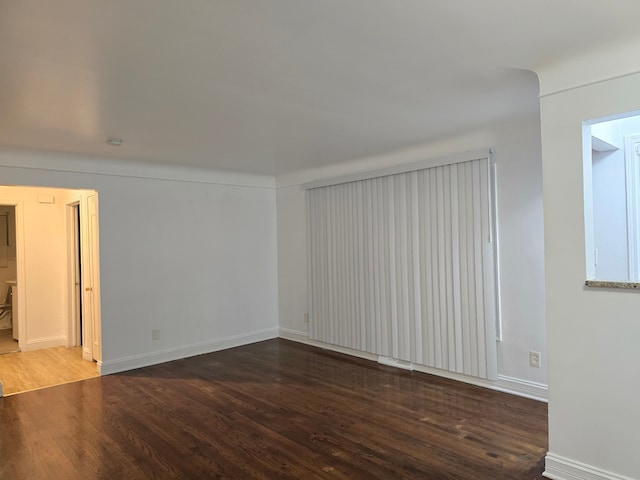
[
  {"x": 56, "y": 232},
  {"x": 611, "y": 150}
]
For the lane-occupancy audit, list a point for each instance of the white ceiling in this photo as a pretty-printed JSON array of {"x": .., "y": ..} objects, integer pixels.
[{"x": 273, "y": 86}]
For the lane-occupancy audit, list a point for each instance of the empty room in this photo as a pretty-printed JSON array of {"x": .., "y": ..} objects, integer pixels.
[{"x": 355, "y": 239}]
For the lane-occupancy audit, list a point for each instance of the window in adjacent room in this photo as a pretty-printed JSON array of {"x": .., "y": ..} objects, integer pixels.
[{"x": 612, "y": 198}]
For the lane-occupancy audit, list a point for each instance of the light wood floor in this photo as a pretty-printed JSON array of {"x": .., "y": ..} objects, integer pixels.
[
  {"x": 7, "y": 343},
  {"x": 24, "y": 371}
]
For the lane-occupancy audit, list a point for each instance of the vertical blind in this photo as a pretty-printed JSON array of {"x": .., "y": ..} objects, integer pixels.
[{"x": 403, "y": 266}]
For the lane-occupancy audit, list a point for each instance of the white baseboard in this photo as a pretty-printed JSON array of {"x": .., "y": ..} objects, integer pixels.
[
  {"x": 303, "y": 337},
  {"x": 514, "y": 386},
  {"x": 394, "y": 362},
  {"x": 290, "y": 334},
  {"x": 152, "y": 358},
  {"x": 561, "y": 468},
  {"x": 524, "y": 388},
  {"x": 39, "y": 343}
]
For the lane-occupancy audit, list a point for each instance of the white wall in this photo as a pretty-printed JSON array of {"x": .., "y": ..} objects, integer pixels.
[
  {"x": 190, "y": 252},
  {"x": 593, "y": 334},
  {"x": 610, "y": 215},
  {"x": 517, "y": 153}
]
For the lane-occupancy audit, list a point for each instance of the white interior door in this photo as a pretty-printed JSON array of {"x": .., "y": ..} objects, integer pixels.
[
  {"x": 94, "y": 266},
  {"x": 91, "y": 280}
]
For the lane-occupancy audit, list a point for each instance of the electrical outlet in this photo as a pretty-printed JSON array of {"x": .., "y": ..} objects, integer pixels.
[
  {"x": 534, "y": 359},
  {"x": 155, "y": 334},
  {"x": 306, "y": 318}
]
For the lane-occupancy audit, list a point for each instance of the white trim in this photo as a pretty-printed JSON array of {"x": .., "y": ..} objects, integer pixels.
[
  {"x": 394, "y": 362},
  {"x": 524, "y": 388},
  {"x": 295, "y": 335},
  {"x": 493, "y": 178},
  {"x": 60, "y": 341},
  {"x": 302, "y": 337},
  {"x": 404, "y": 168},
  {"x": 513, "y": 386},
  {"x": 561, "y": 468},
  {"x": 615, "y": 61},
  {"x": 632, "y": 174},
  {"x": 56, "y": 162},
  {"x": 152, "y": 358},
  {"x": 579, "y": 85}
]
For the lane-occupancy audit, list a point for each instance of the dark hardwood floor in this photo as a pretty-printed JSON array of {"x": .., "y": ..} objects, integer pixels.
[{"x": 274, "y": 409}]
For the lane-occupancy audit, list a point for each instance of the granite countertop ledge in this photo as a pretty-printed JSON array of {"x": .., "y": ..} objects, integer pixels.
[{"x": 612, "y": 284}]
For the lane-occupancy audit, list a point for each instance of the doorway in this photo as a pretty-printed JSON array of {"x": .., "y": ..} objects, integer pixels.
[
  {"x": 57, "y": 264},
  {"x": 75, "y": 275},
  {"x": 83, "y": 275},
  {"x": 8, "y": 289}
]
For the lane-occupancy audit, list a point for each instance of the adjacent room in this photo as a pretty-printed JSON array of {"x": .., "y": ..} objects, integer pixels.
[
  {"x": 326, "y": 239},
  {"x": 8, "y": 332},
  {"x": 51, "y": 316}
]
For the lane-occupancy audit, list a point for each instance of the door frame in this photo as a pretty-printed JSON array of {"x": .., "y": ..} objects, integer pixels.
[
  {"x": 90, "y": 228},
  {"x": 74, "y": 268},
  {"x": 89, "y": 290},
  {"x": 93, "y": 340},
  {"x": 20, "y": 266}
]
